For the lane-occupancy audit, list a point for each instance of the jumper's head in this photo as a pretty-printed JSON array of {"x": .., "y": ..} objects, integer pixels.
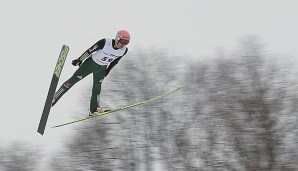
[{"x": 122, "y": 38}]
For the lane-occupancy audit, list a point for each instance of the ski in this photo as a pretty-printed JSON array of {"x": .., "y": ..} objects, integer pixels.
[
  {"x": 121, "y": 108},
  {"x": 52, "y": 89}
]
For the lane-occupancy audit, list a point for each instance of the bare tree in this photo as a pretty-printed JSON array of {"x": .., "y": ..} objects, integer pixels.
[
  {"x": 234, "y": 113},
  {"x": 19, "y": 156},
  {"x": 246, "y": 96}
]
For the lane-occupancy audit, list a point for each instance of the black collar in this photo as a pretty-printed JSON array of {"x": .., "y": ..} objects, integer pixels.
[{"x": 114, "y": 44}]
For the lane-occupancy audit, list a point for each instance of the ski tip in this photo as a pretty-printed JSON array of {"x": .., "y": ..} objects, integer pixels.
[
  {"x": 178, "y": 88},
  {"x": 40, "y": 132},
  {"x": 65, "y": 47}
]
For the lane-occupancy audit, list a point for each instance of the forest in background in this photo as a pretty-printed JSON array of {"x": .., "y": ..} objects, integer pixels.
[{"x": 237, "y": 111}]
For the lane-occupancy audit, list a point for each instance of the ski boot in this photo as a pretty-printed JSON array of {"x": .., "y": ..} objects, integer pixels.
[{"x": 97, "y": 111}]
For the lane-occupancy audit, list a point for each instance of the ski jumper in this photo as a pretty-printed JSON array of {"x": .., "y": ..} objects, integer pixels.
[{"x": 99, "y": 59}]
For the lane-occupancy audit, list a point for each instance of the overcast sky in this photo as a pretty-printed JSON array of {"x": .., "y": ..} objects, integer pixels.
[{"x": 33, "y": 32}]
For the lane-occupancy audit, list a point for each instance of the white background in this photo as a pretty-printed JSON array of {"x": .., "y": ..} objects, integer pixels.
[{"x": 33, "y": 32}]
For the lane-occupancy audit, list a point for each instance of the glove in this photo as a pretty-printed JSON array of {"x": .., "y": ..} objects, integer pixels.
[{"x": 76, "y": 62}]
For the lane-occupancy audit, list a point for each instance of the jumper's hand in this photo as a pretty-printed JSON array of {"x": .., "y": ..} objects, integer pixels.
[{"x": 76, "y": 62}]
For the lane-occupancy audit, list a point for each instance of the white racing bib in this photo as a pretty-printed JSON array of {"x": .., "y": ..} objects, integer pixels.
[{"x": 108, "y": 54}]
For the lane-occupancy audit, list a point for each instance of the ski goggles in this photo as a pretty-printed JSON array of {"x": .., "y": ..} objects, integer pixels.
[{"x": 123, "y": 41}]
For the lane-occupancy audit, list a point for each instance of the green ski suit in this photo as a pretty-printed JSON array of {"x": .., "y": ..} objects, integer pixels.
[{"x": 99, "y": 65}]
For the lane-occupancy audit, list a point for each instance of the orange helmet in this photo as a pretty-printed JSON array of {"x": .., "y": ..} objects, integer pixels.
[{"x": 123, "y": 37}]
